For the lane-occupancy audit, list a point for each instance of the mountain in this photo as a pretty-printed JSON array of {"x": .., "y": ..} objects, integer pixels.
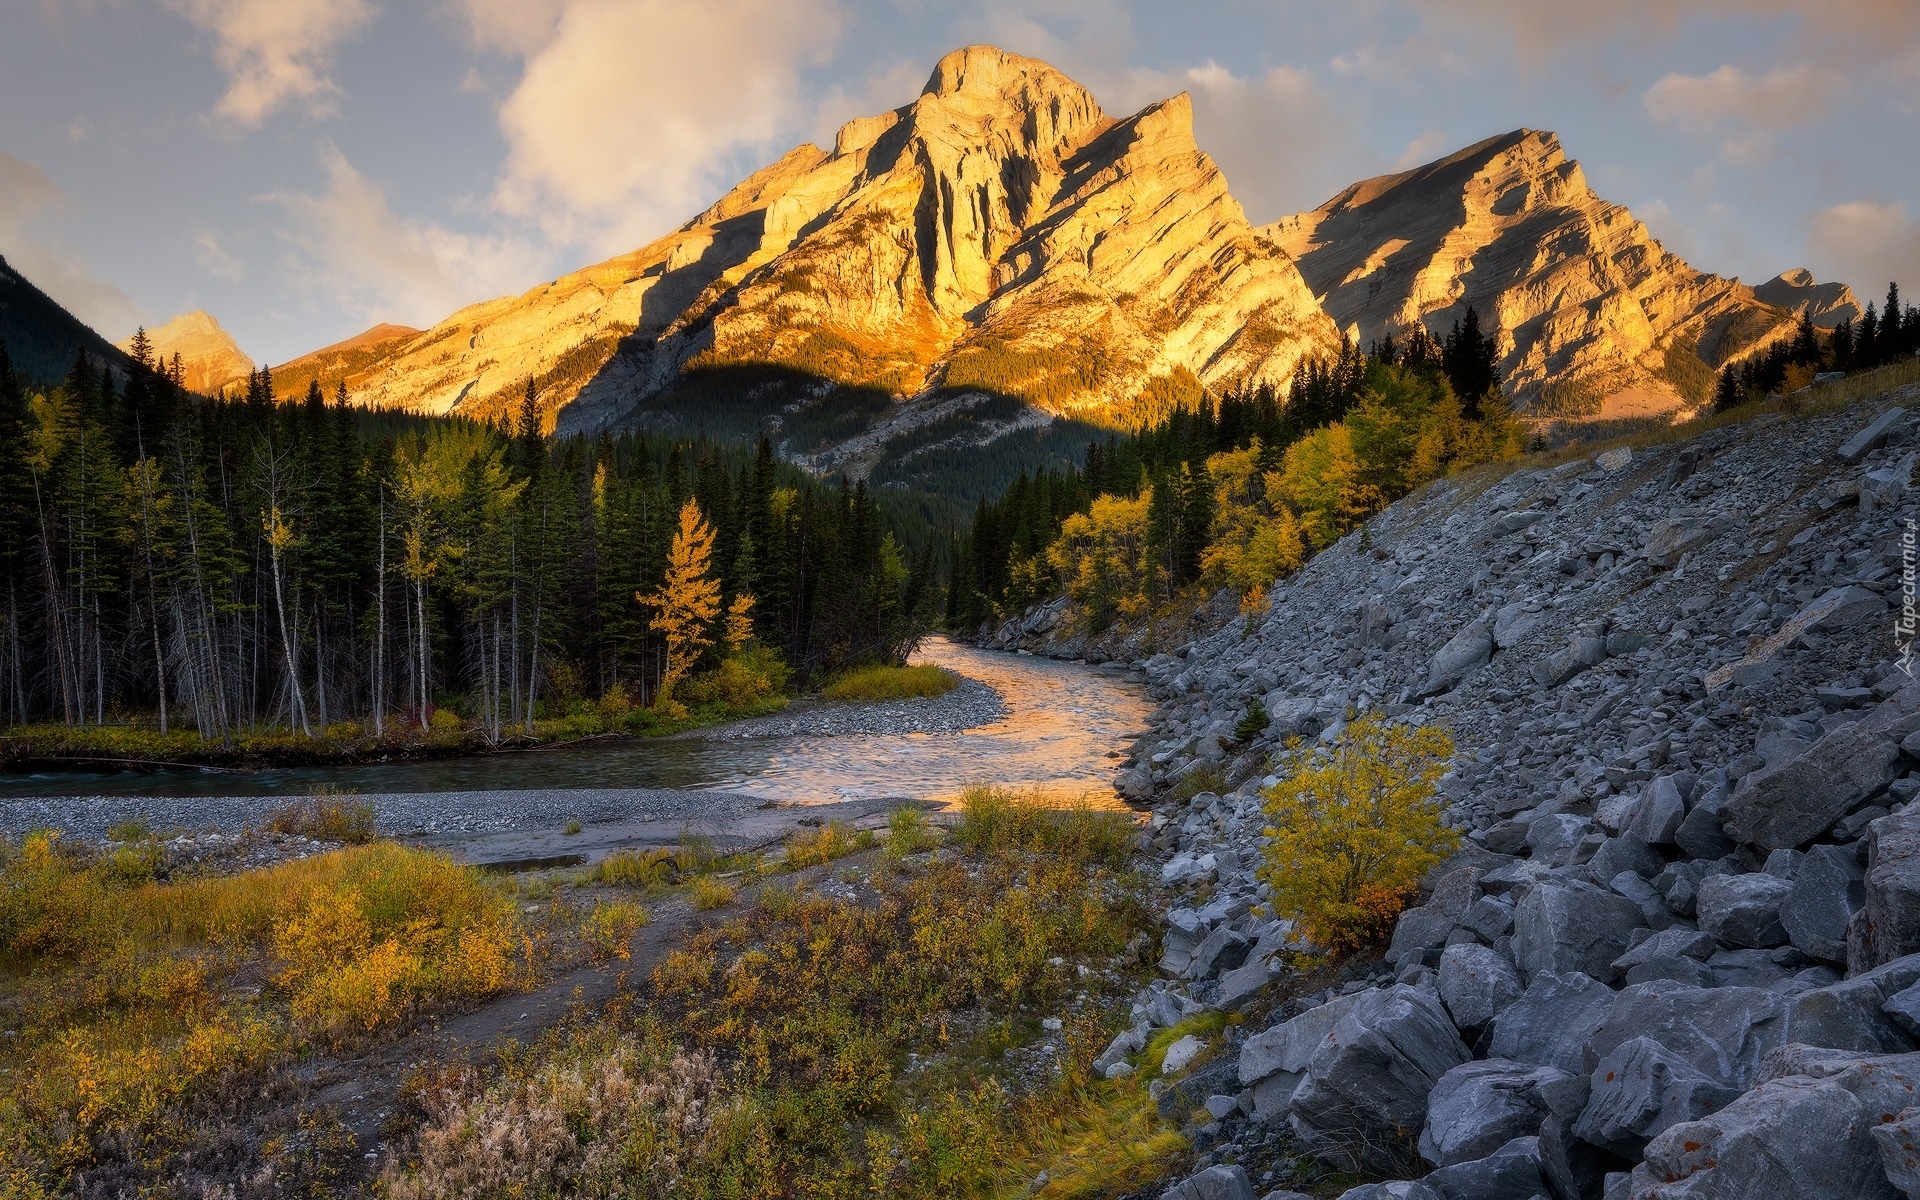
[
  {"x": 1594, "y": 315},
  {"x": 989, "y": 257},
  {"x": 209, "y": 357},
  {"x": 41, "y": 337},
  {"x": 347, "y": 362},
  {"x": 1827, "y": 303}
]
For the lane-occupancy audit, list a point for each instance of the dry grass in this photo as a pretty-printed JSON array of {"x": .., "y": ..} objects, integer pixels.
[
  {"x": 819, "y": 846},
  {"x": 708, "y": 893},
  {"x": 326, "y": 816},
  {"x": 870, "y": 685}
]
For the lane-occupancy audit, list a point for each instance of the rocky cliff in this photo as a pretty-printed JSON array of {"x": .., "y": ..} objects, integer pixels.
[
  {"x": 1595, "y": 317},
  {"x": 1827, "y": 304},
  {"x": 998, "y": 236},
  {"x": 1679, "y": 952},
  {"x": 209, "y": 356}
]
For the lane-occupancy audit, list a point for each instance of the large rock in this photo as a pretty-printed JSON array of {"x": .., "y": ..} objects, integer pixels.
[
  {"x": 1744, "y": 910},
  {"x": 1855, "y": 1013},
  {"x": 1640, "y": 1088},
  {"x": 1478, "y": 1107},
  {"x": 1513, "y": 1172},
  {"x": 1469, "y": 648},
  {"x": 1799, "y": 1137},
  {"x": 1798, "y": 800},
  {"x": 1723, "y": 1032},
  {"x": 1367, "y": 1085},
  {"x": 1551, "y": 1021},
  {"x": 1274, "y": 1061},
  {"x": 1828, "y": 890},
  {"x": 1888, "y": 925},
  {"x": 1899, "y": 1142},
  {"x": 1476, "y": 984},
  {"x": 1565, "y": 926},
  {"x": 1226, "y": 1182}
]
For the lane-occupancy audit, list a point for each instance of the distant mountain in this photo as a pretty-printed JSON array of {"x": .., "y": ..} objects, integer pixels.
[
  {"x": 1829, "y": 303},
  {"x": 1594, "y": 315},
  {"x": 209, "y": 357},
  {"x": 41, "y": 337},
  {"x": 993, "y": 255},
  {"x": 347, "y": 362}
]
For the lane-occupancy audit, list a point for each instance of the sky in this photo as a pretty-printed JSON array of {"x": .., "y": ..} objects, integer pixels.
[{"x": 304, "y": 169}]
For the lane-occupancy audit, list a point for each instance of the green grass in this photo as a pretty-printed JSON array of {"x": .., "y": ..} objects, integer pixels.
[{"x": 870, "y": 684}]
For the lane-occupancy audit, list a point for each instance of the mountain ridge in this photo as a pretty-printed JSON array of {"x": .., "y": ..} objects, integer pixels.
[{"x": 210, "y": 359}]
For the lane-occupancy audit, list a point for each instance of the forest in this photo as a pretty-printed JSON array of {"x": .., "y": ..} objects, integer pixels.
[
  {"x": 220, "y": 569},
  {"x": 1238, "y": 490}
]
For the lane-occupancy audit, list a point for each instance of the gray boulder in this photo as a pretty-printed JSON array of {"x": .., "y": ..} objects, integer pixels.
[
  {"x": 1478, "y": 1107},
  {"x": 1700, "y": 834},
  {"x": 1396, "y": 1189},
  {"x": 1641, "y": 1088},
  {"x": 1798, "y": 1137},
  {"x": 1227, "y": 1182},
  {"x": 1796, "y": 801},
  {"x": 1513, "y": 1172},
  {"x": 1551, "y": 1021},
  {"x": 1899, "y": 1142},
  {"x": 1274, "y": 1061},
  {"x": 1888, "y": 925},
  {"x": 1853, "y": 1014},
  {"x": 1743, "y": 910},
  {"x": 1828, "y": 890},
  {"x": 1660, "y": 812},
  {"x": 1367, "y": 1084},
  {"x": 1722, "y": 1032},
  {"x": 1556, "y": 839},
  {"x": 1674, "y": 954},
  {"x": 1857, "y": 447},
  {"x": 1476, "y": 984},
  {"x": 1563, "y": 925},
  {"x": 1466, "y": 650}
]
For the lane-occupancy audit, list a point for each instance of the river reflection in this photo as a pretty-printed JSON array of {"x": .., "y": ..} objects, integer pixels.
[{"x": 1064, "y": 731}]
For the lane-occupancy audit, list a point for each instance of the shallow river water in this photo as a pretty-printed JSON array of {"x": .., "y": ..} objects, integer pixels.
[{"x": 1064, "y": 731}]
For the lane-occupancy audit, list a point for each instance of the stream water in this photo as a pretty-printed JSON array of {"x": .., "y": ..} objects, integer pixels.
[{"x": 1065, "y": 730}]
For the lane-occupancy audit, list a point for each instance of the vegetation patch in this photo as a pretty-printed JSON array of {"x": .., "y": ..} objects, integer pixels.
[{"x": 869, "y": 685}]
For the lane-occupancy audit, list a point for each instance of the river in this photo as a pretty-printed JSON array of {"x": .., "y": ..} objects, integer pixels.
[{"x": 1059, "y": 728}]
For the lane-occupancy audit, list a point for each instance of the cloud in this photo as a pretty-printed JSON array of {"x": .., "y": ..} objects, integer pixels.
[
  {"x": 276, "y": 52},
  {"x": 349, "y": 244},
  {"x": 635, "y": 113},
  {"x": 1866, "y": 243},
  {"x": 1842, "y": 30},
  {"x": 214, "y": 259},
  {"x": 29, "y": 198},
  {"x": 1423, "y": 149},
  {"x": 510, "y": 26},
  {"x": 1731, "y": 96},
  {"x": 1283, "y": 143}
]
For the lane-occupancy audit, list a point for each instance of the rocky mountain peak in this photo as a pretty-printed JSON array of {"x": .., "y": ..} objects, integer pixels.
[{"x": 209, "y": 356}]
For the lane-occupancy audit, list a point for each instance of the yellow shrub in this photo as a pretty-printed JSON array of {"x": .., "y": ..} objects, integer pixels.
[
  {"x": 872, "y": 684},
  {"x": 710, "y": 893},
  {"x": 609, "y": 929},
  {"x": 634, "y": 868},
  {"x": 813, "y": 847},
  {"x": 1354, "y": 827}
]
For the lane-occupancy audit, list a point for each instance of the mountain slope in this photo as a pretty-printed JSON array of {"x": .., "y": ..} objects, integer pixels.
[
  {"x": 1795, "y": 290},
  {"x": 1593, "y": 313},
  {"x": 346, "y": 362},
  {"x": 209, "y": 357},
  {"x": 41, "y": 337},
  {"x": 993, "y": 254}
]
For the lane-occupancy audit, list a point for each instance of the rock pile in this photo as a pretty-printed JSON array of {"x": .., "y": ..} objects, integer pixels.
[{"x": 1679, "y": 952}]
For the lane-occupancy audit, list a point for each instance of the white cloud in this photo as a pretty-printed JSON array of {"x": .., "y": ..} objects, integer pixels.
[
  {"x": 1731, "y": 96},
  {"x": 634, "y": 114},
  {"x": 510, "y": 26},
  {"x": 349, "y": 244},
  {"x": 1423, "y": 149},
  {"x": 214, "y": 259},
  {"x": 1866, "y": 243},
  {"x": 276, "y": 52},
  {"x": 29, "y": 199}
]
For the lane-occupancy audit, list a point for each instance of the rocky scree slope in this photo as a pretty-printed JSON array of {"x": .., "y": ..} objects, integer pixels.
[
  {"x": 1589, "y": 307},
  {"x": 999, "y": 214},
  {"x": 1679, "y": 952}
]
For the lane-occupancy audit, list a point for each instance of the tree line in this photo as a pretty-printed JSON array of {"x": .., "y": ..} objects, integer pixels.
[
  {"x": 1238, "y": 489},
  {"x": 1890, "y": 334},
  {"x": 232, "y": 565}
]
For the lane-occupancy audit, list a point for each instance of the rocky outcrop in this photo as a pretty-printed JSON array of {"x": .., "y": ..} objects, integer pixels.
[
  {"x": 1594, "y": 316},
  {"x": 1827, "y": 304},
  {"x": 998, "y": 234},
  {"x": 210, "y": 359},
  {"x": 1676, "y": 954}
]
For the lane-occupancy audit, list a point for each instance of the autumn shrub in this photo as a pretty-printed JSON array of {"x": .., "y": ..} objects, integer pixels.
[
  {"x": 754, "y": 680},
  {"x": 643, "y": 869},
  {"x": 871, "y": 685},
  {"x": 908, "y": 832},
  {"x": 608, "y": 930},
  {"x": 709, "y": 893},
  {"x": 820, "y": 845},
  {"x": 326, "y": 816},
  {"x": 1353, "y": 827},
  {"x": 1002, "y": 820}
]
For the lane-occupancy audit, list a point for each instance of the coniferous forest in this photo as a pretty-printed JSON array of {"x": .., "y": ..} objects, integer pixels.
[{"x": 301, "y": 567}]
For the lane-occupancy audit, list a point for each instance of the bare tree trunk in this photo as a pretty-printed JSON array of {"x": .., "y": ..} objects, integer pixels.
[
  {"x": 380, "y": 626},
  {"x": 297, "y": 702}
]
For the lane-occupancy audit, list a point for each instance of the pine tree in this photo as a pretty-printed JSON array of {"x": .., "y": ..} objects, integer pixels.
[{"x": 686, "y": 601}]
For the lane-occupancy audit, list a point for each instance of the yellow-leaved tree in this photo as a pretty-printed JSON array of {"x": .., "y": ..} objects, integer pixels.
[
  {"x": 1354, "y": 826},
  {"x": 686, "y": 602},
  {"x": 1101, "y": 555},
  {"x": 1254, "y": 538}
]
